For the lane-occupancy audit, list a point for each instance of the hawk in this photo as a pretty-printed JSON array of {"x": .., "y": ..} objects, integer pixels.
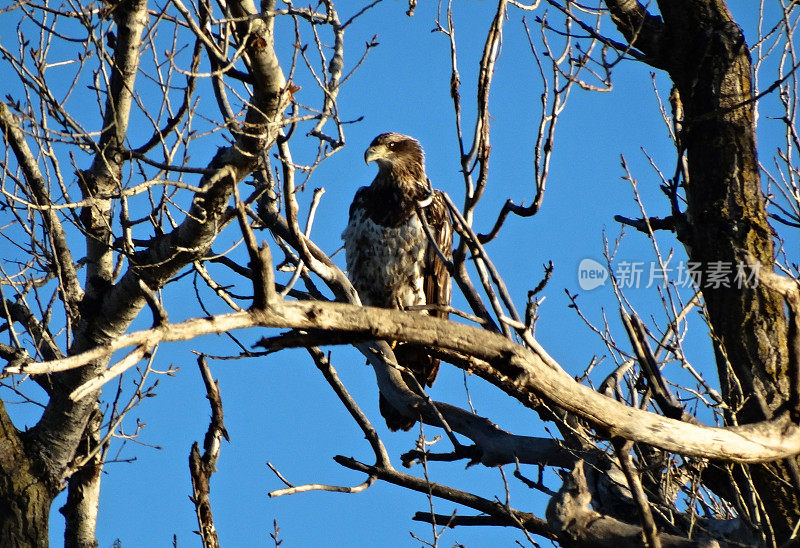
[{"x": 390, "y": 259}]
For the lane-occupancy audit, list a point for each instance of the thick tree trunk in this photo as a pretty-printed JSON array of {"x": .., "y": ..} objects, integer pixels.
[
  {"x": 728, "y": 226},
  {"x": 80, "y": 510},
  {"x": 703, "y": 49},
  {"x": 727, "y": 215},
  {"x": 24, "y": 500},
  {"x": 24, "y": 514}
]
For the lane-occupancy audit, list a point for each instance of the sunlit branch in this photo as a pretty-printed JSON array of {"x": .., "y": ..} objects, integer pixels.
[{"x": 518, "y": 371}]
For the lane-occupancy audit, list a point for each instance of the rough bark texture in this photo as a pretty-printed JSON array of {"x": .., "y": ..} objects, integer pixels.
[
  {"x": 704, "y": 52},
  {"x": 726, "y": 208},
  {"x": 24, "y": 499},
  {"x": 24, "y": 515}
]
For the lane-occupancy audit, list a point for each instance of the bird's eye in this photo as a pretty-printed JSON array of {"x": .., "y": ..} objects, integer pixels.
[{"x": 390, "y": 146}]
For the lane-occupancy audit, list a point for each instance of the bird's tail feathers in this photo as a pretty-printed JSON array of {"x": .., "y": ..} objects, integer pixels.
[
  {"x": 395, "y": 420},
  {"x": 416, "y": 359}
]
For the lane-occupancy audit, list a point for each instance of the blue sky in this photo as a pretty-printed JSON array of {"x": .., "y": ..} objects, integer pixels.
[{"x": 279, "y": 408}]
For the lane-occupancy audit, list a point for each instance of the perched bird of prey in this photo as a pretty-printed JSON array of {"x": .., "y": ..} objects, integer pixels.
[{"x": 390, "y": 259}]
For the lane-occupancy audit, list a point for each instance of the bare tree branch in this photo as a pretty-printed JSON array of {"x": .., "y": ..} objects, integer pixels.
[
  {"x": 203, "y": 466},
  {"x": 511, "y": 367},
  {"x": 571, "y": 517}
]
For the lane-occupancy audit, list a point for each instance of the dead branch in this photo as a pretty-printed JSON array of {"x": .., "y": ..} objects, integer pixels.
[
  {"x": 260, "y": 261},
  {"x": 325, "y": 367},
  {"x": 202, "y": 467},
  {"x": 661, "y": 392}
]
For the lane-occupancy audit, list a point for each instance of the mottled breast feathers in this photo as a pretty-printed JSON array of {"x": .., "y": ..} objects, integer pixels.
[{"x": 389, "y": 258}]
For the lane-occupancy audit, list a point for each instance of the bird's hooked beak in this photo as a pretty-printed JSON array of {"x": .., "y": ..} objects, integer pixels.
[{"x": 371, "y": 154}]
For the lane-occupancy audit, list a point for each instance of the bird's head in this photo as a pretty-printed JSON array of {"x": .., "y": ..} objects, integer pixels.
[{"x": 396, "y": 152}]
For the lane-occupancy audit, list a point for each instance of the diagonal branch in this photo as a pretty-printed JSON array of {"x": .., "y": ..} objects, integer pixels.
[
  {"x": 661, "y": 393},
  {"x": 623, "y": 449},
  {"x": 260, "y": 261},
  {"x": 641, "y": 29},
  {"x": 326, "y": 368},
  {"x": 381, "y": 456},
  {"x": 64, "y": 265}
]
